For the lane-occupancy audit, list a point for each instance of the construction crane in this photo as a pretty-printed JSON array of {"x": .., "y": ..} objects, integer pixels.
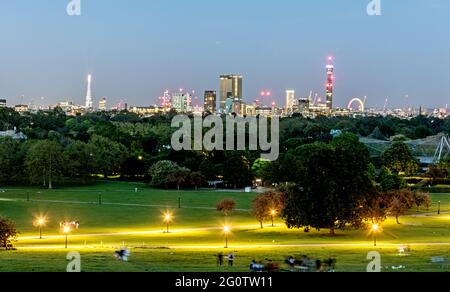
[
  {"x": 315, "y": 98},
  {"x": 310, "y": 96}
]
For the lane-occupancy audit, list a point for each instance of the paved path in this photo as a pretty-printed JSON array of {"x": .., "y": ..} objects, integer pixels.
[
  {"x": 150, "y": 232},
  {"x": 255, "y": 246},
  {"x": 113, "y": 204}
]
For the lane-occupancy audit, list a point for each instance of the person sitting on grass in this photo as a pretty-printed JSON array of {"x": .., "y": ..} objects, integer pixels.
[{"x": 256, "y": 267}]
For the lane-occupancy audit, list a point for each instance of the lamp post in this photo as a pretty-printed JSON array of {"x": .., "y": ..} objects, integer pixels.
[
  {"x": 66, "y": 231},
  {"x": 439, "y": 208},
  {"x": 40, "y": 222},
  {"x": 226, "y": 230},
  {"x": 167, "y": 219},
  {"x": 273, "y": 213},
  {"x": 375, "y": 229}
]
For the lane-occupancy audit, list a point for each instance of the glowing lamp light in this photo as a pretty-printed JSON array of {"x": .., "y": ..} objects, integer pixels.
[
  {"x": 375, "y": 227},
  {"x": 41, "y": 222},
  {"x": 167, "y": 218},
  {"x": 66, "y": 229}
]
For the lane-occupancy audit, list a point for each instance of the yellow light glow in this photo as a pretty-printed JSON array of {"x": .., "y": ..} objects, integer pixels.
[
  {"x": 226, "y": 229},
  {"x": 273, "y": 212},
  {"x": 66, "y": 229},
  {"x": 375, "y": 227},
  {"x": 40, "y": 221},
  {"x": 167, "y": 217}
]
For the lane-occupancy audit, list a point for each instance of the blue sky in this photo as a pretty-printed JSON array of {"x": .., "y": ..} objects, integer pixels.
[{"x": 137, "y": 49}]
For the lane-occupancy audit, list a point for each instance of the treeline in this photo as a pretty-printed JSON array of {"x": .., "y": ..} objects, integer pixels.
[{"x": 122, "y": 144}]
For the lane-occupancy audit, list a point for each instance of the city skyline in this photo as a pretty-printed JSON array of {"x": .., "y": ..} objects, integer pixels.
[{"x": 401, "y": 55}]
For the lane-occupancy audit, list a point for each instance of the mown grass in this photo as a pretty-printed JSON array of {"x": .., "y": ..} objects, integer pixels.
[{"x": 81, "y": 203}]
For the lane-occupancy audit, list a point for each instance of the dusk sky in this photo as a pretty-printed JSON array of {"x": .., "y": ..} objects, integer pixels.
[{"x": 137, "y": 49}]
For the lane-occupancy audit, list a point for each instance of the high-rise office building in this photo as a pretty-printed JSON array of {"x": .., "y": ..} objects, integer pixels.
[
  {"x": 290, "y": 99},
  {"x": 330, "y": 83},
  {"x": 89, "y": 102},
  {"x": 230, "y": 87},
  {"x": 182, "y": 102},
  {"x": 210, "y": 103},
  {"x": 2, "y": 103},
  {"x": 102, "y": 104}
]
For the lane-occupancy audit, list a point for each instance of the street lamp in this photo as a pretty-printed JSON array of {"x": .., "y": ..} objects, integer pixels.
[
  {"x": 40, "y": 222},
  {"x": 66, "y": 231},
  {"x": 439, "y": 208},
  {"x": 375, "y": 229},
  {"x": 167, "y": 218},
  {"x": 273, "y": 213},
  {"x": 226, "y": 230}
]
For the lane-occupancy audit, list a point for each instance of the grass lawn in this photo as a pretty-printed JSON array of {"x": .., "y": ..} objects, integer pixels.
[{"x": 134, "y": 219}]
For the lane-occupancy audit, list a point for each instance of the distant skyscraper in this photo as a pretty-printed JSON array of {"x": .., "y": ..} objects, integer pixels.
[
  {"x": 102, "y": 104},
  {"x": 89, "y": 102},
  {"x": 2, "y": 103},
  {"x": 290, "y": 99},
  {"x": 330, "y": 83},
  {"x": 230, "y": 86},
  {"x": 210, "y": 103},
  {"x": 182, "y": 102}
]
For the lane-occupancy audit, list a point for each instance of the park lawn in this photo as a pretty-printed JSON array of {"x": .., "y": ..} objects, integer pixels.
[
  {"x": 197, "y": 227},
  {"x": 186, "y": 260},
  {"x": 191, "y": 228},
  {"x": 124, "y": 193}
]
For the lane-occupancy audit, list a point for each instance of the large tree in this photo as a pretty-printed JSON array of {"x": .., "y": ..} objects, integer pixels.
[
  {"x": 399, "y": 158},
  {"x": 179, "y": 176},
  {"x": 11, "y": 160},
  {"x": 332, "y": 183},
  {"x": 166, "y": 172},
  {"x": 45, "y": 163},
  {"x": 197, "y": 179},
  {"x": 108, "y": 156},
  {"x": 237, "y": 171},
  {"x": 80, "y": 160},
  {"x": 400, "y": 202},
  {"x": 266, "y": 203}
]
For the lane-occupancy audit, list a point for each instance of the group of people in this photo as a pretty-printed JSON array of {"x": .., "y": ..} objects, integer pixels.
[
  {"x": 304, "y": 264},
  {"x": 307, "y": 265},
  {"x": 220, "y": 259}
]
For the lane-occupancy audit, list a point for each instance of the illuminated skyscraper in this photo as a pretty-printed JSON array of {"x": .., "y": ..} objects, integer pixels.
[
  {"x": 290, "y": 99},
  {"x": 182, "y": 102},
  {"x": 89, "y": 102},
  {"x": 210, "y": 103},
  {"x": 230, "y": 87},
  {"x": 330, "y": 83},
  {"x": 102, "y": 104}
]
